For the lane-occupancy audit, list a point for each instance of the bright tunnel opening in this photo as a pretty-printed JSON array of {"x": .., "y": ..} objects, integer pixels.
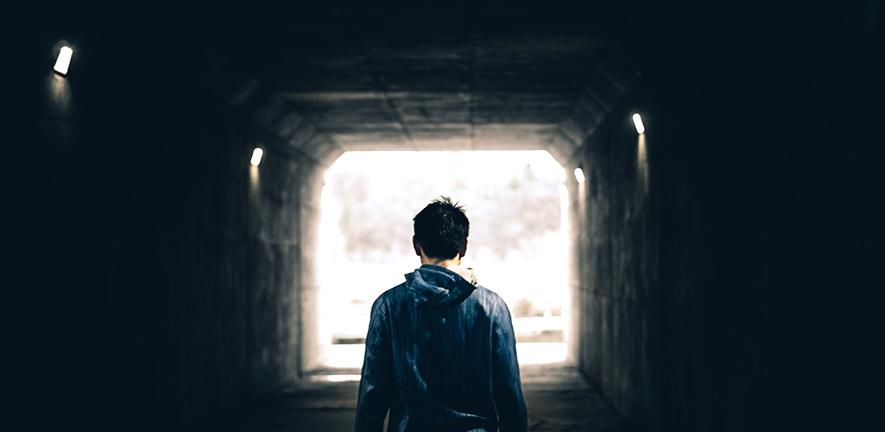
[{"x": 517, "y": 204}]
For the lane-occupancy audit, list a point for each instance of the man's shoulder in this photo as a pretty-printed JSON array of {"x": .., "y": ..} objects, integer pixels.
[
  {"x": 487, "y": 293},
  {"x": 482, "y": 295},
  {"x": 388, "y": 298},
  {"x": 392, "y": 294},
  {"x": 488, "y": 297}
]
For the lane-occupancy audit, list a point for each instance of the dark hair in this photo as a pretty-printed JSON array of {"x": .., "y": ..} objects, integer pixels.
[{"x": 441, "y": 228}]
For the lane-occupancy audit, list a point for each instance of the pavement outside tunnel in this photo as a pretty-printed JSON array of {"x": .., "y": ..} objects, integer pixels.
[{"x": 557, "y": 396}]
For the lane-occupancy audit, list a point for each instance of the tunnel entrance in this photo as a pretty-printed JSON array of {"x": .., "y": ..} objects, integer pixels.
[{"x": 517, "y": 205}]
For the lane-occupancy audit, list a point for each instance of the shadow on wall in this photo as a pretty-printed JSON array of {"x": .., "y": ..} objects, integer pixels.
[
  {"x": 159, "y": 269},
  {"x": 727, "y": 269}
]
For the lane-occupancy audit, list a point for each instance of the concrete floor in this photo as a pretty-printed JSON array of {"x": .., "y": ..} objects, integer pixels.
[{"x": 558, "y": 399}]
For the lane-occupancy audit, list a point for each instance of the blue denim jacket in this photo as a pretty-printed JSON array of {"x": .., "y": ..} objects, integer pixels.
[{"x": 441, "y": 356}]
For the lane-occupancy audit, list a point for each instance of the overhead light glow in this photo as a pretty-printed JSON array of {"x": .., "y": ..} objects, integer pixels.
[
  {"x": 637, "y": 121},
  {"x": 63, "y": 60},
  {"x": 579, "y": 175},
  {"x": 256, "y": 156}
]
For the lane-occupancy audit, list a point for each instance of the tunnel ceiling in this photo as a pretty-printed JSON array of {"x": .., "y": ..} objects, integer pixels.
[{"x": 368, "y": 80}]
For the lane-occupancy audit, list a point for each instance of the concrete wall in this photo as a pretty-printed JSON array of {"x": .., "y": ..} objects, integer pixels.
[
  {"x": 739, "y": 288},
  {"x": 160, "y": 272},
  {"x": 731, "y": 283}
]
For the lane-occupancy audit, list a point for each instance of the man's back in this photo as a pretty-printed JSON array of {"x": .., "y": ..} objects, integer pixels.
[{"x": 441, "y": 355}]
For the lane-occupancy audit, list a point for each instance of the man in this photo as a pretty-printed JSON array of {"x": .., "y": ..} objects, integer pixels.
[{"x": 440, "y": 350}]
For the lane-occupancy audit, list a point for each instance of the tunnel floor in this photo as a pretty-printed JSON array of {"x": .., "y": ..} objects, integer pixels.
[{"x": 558, "y": 399}]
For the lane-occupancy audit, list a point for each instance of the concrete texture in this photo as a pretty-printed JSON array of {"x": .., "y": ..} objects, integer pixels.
[
  {"x": 727, "y": 270},
  {"x": 466, "y": 84},
  {"x": 178, "y": 266},
  {"x": 557, "y": 398},
  {"x": 712, "y": 268}
]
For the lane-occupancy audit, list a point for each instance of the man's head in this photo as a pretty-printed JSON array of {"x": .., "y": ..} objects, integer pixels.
[{"x": 441, "y": 230}]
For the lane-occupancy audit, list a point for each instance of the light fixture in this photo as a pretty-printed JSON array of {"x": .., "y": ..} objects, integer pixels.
[
  {"x": 63, "y": 60},
  {"x": 637, "y": 121},
  {"x": 256, "y": 156},
  {"x": 579, "y": 175}
]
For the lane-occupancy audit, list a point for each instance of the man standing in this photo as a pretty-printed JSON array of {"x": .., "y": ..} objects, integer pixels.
[{"x": 440, "y": 350}]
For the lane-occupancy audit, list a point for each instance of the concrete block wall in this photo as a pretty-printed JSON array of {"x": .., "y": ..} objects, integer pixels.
[
  {"x": 738, "y": 288},
  {"x": 167, "y": 267},
  {"x": 232, "y": 281},
  {"x": 727, "y": 279},
  {"x": 617, "y": 253}
]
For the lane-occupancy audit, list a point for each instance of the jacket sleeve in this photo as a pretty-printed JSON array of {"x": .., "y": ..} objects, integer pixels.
[
  {"x": 376, "y": 383},
  {"x": 506, "y": 386}
]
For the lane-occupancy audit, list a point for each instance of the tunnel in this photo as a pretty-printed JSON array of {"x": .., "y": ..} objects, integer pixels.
[{"x": 722, "y": 167}]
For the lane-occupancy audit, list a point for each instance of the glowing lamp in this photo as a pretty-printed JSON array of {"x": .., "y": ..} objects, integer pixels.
[
  {"x": 256, "y": 156},
  {"x": 64, "y": 60},
  {"x": 637, "y": 121},
  {"x": 579, "y": 175}
]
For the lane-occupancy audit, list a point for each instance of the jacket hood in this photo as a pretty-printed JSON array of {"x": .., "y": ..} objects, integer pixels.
[{"x": 438, "y": 286}]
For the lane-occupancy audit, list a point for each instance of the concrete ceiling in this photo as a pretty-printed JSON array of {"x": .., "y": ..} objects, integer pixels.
[{"x": 454, "y": 86}]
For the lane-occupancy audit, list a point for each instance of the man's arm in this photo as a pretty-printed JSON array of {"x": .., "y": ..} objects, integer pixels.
[
  {"x": 506, "y": 385},
  {"x": 376, "y": 383}
]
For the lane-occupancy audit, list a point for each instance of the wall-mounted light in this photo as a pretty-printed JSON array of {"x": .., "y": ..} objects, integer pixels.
[
  {"x": 64, "y": 60},
  {"x": 579, "y": 175},
  {"x": 256, "y": 156},
  {"x": 637, "y": 121}
]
